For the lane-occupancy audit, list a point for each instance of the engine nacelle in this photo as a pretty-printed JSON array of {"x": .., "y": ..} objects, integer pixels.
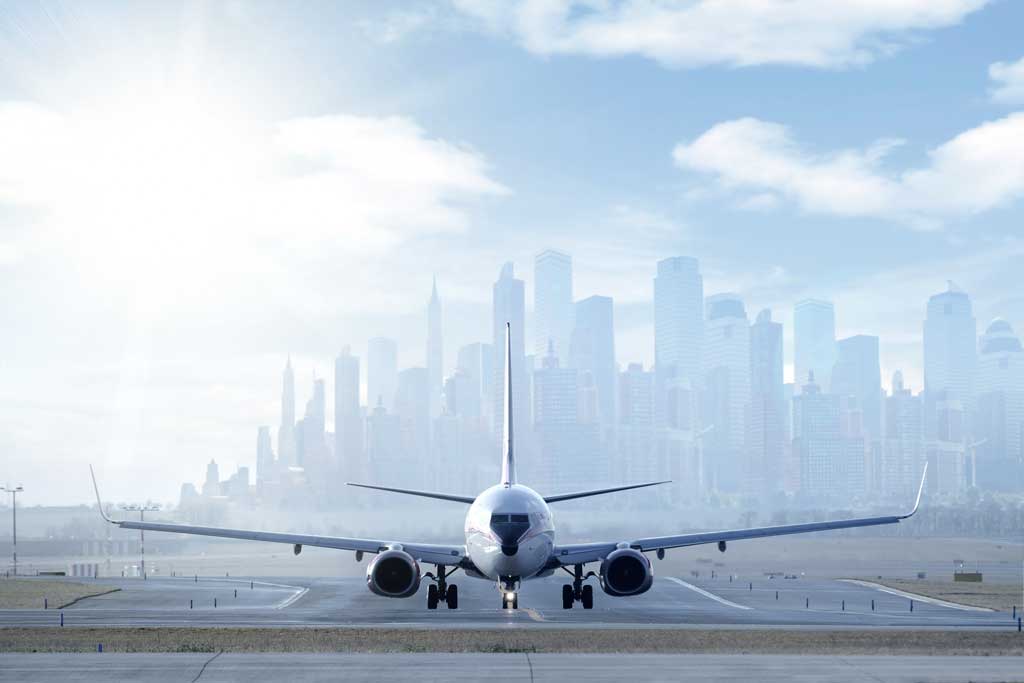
[
  {"x": 393, "y": 574},
  {"x": 626, "y": 572}
]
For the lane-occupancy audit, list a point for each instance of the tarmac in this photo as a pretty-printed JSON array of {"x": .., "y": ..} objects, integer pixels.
[
  {"x": 672, "y": 602},
  {"x": 256, "y": 668}
]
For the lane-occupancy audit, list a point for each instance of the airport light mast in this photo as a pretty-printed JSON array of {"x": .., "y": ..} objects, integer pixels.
[
  {"x": 14, "y": 520},
  {"x": 142, "y": 510}
]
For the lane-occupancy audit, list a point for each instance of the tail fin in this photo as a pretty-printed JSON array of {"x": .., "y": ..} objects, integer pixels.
[{"x": 508, "y": 458}]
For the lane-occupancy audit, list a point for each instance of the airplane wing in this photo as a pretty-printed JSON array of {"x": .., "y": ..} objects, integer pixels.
[
  {"x": 452, "y": 555},
  {"x": 582, "y": 553}
]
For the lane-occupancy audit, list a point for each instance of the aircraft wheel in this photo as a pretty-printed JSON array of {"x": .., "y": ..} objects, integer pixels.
[
  {"x": 453, "y": 597},
  {"x": 515, "y": 602},
  {"x": 567, "y": 597},
  {"x": 588, "y": 597},
  {"x": 432, "y": 596}
]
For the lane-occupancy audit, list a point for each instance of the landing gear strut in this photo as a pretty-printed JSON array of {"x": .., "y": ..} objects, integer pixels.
[
  {"x": 576, "y": 591},
  {"x": 440, "y": 591}
]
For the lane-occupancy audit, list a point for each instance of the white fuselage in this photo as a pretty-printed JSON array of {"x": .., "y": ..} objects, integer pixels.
[{"x": 510, "y": 533}]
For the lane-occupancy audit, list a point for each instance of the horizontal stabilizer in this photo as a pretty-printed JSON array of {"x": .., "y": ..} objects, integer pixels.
[
  {"x": 423, "y": 494},
  {"x": 599, "y": 492}
]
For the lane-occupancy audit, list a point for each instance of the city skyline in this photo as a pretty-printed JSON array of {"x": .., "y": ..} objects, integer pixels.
[{"x": 168, "y": 238}]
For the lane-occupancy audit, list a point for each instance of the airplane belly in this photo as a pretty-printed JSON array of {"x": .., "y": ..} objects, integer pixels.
[{"x": 531, "y": 557}]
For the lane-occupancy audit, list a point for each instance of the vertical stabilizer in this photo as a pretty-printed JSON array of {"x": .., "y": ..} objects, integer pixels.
[{"x": 508, "y": 459}]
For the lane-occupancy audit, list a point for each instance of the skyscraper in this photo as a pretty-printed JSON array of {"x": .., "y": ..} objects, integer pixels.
[
  {"x": 348, "y": 421},
  {"x": 286, "y": 433},
  {"x": 999, "y": 425},
  {"x": 814, "y": 342},
  {"x": 412, "y": 406},
  {"x": 858, "y": 373},
  {"x": 635, "y": 431},
  {"x": 509, "y": 306},
  {"x": 474, "y": 361},
  {"x": 552, "y": 304},
  {"x": 264, "y": 456},
  {"x": 831, "y": 463},
  {"x": 381, "y": 372},
  {"x": 727, "y": 383},
  {"x": 766, "y": 431},
  {"x": 950, "y": 354},
  {"x": 903, "y": 451},
  {"x": 592, "y": 350},
  {"x": 558, "y": 463},
  {"x": 678, "y": 320},
  {"x": 435, "y": 351}
]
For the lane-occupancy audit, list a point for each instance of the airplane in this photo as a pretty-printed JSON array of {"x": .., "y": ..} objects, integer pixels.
[{"x": 510, "y": 538}]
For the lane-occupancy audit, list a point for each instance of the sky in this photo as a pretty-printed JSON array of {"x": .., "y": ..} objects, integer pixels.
[{"x": 190, "y": 192}]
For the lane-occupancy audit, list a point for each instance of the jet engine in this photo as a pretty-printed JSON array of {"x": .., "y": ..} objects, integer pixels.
[
  {"x": 626, "y": 572},
  {"x": 393, "y": 574}
]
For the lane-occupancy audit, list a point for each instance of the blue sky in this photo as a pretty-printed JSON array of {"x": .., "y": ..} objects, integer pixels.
[{"x": 190, "y": 191}]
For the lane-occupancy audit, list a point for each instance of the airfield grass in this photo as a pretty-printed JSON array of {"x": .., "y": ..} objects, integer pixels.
[
  {"x": 374, "y": 640},
  {"x": 998, "y": 596},
  {"x": 30, "y": 593}
]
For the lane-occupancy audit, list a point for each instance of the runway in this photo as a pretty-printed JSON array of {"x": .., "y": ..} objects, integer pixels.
[
  {"x": 255, "y": 668},
  {"x": 673, "y": 602}
]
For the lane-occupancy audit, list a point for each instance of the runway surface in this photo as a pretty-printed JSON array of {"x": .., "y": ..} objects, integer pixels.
[
  {"x": 673, "y": 602},
  {"x": 254, "y": 668}
]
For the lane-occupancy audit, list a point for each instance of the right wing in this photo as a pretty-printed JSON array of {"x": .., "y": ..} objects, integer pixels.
[
  {"x": 581, "y": 553},
  {"x": 424, "y": 552},
  {"x": 599, "y": 492},
  {"x": 412, "y": 492}
]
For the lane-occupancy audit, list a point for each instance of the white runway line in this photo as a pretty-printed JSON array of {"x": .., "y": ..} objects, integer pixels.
[
  {"x": 917, "y": 596},
  {"x": 706, "y": 594},
  {"x": 289, "y": 600}
]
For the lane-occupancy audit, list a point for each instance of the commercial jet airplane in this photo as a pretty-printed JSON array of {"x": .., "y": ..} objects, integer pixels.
[{"x": 510, "y": 537}]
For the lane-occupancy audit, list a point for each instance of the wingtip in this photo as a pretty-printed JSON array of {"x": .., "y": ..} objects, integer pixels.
[
  {"x": 99, "y": 503},
  {"x": 920, "y": 490}
]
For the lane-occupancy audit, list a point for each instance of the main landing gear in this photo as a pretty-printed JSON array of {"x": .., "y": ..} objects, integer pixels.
[
  {"x": 440, "y": 591},
  {"x": 576, "y": 591}
]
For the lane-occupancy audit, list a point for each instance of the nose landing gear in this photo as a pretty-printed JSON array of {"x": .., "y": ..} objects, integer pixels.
[
  {"x": 508, "y": 587},
  {"x": 576, "y": 591},
  {"x": 440, "y": 591}
]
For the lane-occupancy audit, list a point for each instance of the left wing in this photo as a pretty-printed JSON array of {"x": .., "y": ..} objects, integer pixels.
[
  {"x": 450, "y": 555},
  {"x": 581, "y": 553}
]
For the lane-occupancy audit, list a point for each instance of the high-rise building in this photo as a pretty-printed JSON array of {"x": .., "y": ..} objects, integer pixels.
[
  {"x": 382, "y": 372},
  {"x": 766, "y": 430},
  {"x": 384, "y": 448},
  {"x": 903, "y": 450},
  {"x": 678, "y": 320},
  {"x": 858, "y": 373},
  {"x": 560, "y": 458},
  {"x": 552, "y": 304},
  {"x": 592, "y": 350},
  {"x": 509, "y": 306},
  {"x": 435, "y": 351},
  {"x": 727, "y": 388},
  {"x": 474, "y": 362},
  {"x": 950, "y": 354},
  {"x": 286, "y": 433},
  {"x": 636, "y": 460},
  {"x": 348, "y": 419},
  {"x": 211, "y": 485},
  {"x": 999, "y": 425},
  {"x": 814, "y": 342},
  {"x": 412, "y": 406},
  {"x": 264, "y": 456},
  {"x": 831, "y": 464}
]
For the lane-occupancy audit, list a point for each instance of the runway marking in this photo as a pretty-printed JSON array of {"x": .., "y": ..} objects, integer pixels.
[
  {"x": 533, "y": 614},
  {"x": 290, "y": 600},
  {"x": 917, "y": 596},
  {"x": 706, "y": 594}
]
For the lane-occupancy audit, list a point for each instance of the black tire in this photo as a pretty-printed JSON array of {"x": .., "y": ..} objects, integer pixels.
[
  {"x": 432, "y": 596},
  {"x": 588, "y": 597},
  {"x": 515, "y": 602},
  {"x": 567, "y": 597},
  {"x": 453, "y": 597}
]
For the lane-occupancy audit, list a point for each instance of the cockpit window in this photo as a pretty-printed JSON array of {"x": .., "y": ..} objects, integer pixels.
[
  {"x": 509, "y": 527},
  {"x": 520, "y": 519}
]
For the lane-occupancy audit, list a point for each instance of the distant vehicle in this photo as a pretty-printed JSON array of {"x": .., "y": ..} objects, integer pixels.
[{"x": 509, "y": 538}]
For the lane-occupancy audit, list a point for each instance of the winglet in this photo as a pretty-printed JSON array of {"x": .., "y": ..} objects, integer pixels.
[
  {"x": 508, "y": 459},
  {"x": 920, "y": 490},
  {"x": 99, "y": 503}
]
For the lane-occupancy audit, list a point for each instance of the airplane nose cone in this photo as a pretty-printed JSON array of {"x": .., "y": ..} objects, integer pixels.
[{"x": 510, "y": 550}]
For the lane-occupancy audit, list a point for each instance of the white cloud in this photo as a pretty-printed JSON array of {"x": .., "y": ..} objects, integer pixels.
[
  {"x": 979, "y": 169},
  {"x": 1008, "y": 82},
  {"x": 693, "y": 33}
]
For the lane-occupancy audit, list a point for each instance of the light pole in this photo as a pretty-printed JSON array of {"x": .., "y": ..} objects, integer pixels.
[
  {"x": 142, "y": 509},
  {"x": 14, "y": 520},
  {"x": 973, "y": 449}
]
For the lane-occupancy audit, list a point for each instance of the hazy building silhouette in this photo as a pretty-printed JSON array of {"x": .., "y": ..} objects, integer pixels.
[
  {"x": 635, "y": 459},
  {"x": 763, "y": 473},
  {"x": 557, "y": 464},
  {"x": 592, "y": 351},
  {"x": 264, "y": 456},
  {"x": 831, "y": 463},
  {"x": 382, "y": 372},
  {"x": 286, "y": 433},
  {"x": 950, "y": 339},
  {"x": 858, "y": 373},
  {"x": 552, "y": 304},
  {"x": 476, "y": 362},
  {"x": 678, "y": 324},
  {"x": 903, "y": 450},
  {"x": 814, "y": 341},
  {"x": 348, "y": 418},
  {"x": 435, "y": 351},
  {"x": 384, "y": 448},
  {"x": 999, "y": 406},
  {"x": 727, "y": 387}
]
